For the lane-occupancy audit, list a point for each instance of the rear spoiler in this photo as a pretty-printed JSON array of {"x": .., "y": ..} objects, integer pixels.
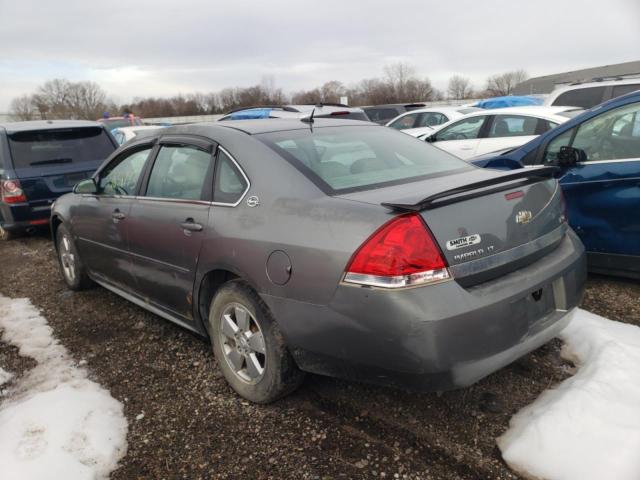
[{"x": 526, "y": 175}]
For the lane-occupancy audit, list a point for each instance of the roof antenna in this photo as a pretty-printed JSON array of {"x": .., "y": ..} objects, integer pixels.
[{"x": 309, "y": 119}]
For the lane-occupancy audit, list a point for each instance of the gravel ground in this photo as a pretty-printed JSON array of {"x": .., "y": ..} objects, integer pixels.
[{"x": 194, "y": 426}]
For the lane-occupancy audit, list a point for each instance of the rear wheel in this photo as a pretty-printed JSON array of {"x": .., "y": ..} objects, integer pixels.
[
  {"x": 6, "y": 235},
  {"x": 73, "y": 270},
  {"x": 249, "y": 346}
]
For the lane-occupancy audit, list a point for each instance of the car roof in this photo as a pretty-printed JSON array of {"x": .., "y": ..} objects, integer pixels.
[
  {"x": 12, "y": 127},
  {"x": 137, "y": 128},
  {"x": 535, "y": 110},
  {"x": 268, "y": 125},
  {"x": 403, "y": 105}
]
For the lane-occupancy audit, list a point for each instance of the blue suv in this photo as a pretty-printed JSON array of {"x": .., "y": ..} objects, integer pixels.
[
  {"x": 598, "y": 155},
  {"x": 41, "y": 160}
]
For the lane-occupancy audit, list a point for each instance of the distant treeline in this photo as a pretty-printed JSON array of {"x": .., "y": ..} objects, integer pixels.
[{"x": 61, "y": 98}]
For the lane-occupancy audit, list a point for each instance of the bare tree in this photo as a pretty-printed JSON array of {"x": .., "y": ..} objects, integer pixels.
[
  {"x": 23, "y": 108},
  {"x": 85, "y": 100},
  {"x": 459, "y": 88},
  {"x": 503, "y": 84}
]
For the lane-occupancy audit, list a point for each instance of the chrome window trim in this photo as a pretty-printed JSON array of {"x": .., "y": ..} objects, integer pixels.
[
  {"x": 246, "y": 179},
  {"x": 619, "y": 160}
]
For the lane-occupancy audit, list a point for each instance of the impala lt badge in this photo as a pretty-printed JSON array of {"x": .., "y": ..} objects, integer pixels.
[{"x": 523, "y": 216}]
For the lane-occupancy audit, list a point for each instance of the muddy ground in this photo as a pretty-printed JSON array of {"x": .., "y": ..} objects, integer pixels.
[{"x": 194, "y": 426}]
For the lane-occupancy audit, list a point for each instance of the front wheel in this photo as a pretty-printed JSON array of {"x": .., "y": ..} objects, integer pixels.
[
  {"x": 73, "y": 271},
  {"x": 249, "y": 346}
]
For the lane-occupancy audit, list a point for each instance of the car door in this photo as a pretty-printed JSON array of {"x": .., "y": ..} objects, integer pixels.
[
  {"x": 603, "y": 191},
  {"x": 100, "y": 221},
  {"x": 509, "y": 131},
  {"x": 461, "y": 138},
  {"x": 168, "y": 221}
]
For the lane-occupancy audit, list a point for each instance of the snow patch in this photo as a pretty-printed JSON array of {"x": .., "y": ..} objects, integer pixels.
[
  {"x": 54, "y": 422},
  {"x": 5, "y": 376},
  {"x": 587, "y": 427}
]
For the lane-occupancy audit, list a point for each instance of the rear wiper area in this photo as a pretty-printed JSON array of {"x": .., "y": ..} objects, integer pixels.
[
  {"x": 52, "y": 160},
  {"x": 464, "y": 192}
]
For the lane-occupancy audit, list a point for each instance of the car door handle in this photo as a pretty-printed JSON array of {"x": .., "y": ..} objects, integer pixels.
[
  {"x": 466, "y": 148},
  {"x": 191, "y": 226},
  {"x": 118, "y": 215}
]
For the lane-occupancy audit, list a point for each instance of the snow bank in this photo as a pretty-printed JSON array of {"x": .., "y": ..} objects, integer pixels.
[
  {"x": 55, "y": 422},
  {"x": 588, "y": 427},
  {"x": 4, "y": 376}
]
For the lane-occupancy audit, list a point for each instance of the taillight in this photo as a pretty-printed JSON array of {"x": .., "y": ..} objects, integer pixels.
[
  {"x": 11, "y": 191},
  {"x": 401, "y": 253}
]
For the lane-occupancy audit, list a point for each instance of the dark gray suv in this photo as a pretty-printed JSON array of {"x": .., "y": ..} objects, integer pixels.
[{"x": 336, "y": 247}]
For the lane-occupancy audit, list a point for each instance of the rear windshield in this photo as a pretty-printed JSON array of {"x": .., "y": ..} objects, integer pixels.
[
  {"x": 59, "y": 146},
  {"x": 346, "y": 159}
]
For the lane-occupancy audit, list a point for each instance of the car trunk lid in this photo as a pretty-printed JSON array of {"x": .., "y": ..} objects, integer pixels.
[{"x": 486, "y": 223}]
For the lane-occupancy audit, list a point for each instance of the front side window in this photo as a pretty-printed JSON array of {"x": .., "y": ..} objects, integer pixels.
[
  {"x": 229, "y": 183},
  {"x": 408, "y": 121},
  {"x": 180, "y": 171},
  {"x": 121, "y": 176},
  {"x": 512, "y": 126},
  {"x": 620, "y": 90},
  {"x": 612, "y": 135},
  {"x": 431, "y": 119},
  {"x": 347, "y": 159},
  {"x": 466, "y": 129}
]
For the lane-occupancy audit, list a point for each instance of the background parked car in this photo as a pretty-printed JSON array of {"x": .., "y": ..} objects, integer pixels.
[
  {"x": 124, "y": 134},
  {"x": 599, "y": 156},
  {"x": 428, "y": 117},
  {"x": 590, "y": 94},
  {"x": 41, "y": 160},
  {"x": 492, "y": 130},
  {"x": 381, "y": 114},
  {"x": 297, "y": 111},
  {"x": 343, "y": 249},
  {"x": 127, "y": 120}
]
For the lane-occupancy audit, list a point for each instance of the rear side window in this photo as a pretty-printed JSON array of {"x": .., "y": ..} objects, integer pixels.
[
  {"x": 620, "y": 90},
  {"x": 229, "y": 183},
  {"x": 345, "y": 159},
  {"x": 581, "y": 97},
  {"x": 51, "y": 147},
  {"x": 512, "y": 126},
  {"x": 179, "y": 172}
]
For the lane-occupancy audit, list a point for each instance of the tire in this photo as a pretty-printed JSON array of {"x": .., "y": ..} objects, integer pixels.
[
  {"x": 71, "y": 266},
  {"x": 6, "y": 235},
  {"x": 238, "y": 351}
]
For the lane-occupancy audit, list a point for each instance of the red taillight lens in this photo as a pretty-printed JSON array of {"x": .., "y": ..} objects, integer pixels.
[
  {"x": 399, "y": 254},
  {"x": 11, "y": 191}
]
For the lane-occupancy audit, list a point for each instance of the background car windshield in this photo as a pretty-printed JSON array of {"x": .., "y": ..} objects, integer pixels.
[
  {"x": 353, "y": 158},
  {"x": 59, "y": 146}
]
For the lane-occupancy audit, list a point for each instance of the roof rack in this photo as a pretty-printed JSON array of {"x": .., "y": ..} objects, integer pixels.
[
  {"x": 282, "y": 107},
  {"x": 603, "y": 78}
]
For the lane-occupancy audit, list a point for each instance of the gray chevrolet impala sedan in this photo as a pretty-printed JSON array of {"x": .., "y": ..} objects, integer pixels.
[{"x": 336, "y": 247}]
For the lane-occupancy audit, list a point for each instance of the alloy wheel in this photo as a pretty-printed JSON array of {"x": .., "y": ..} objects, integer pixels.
[
  {"x": 242, "y": 343},
  {"x": 67, "y": 259}
]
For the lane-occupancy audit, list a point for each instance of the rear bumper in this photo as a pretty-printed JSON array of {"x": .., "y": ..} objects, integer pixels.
[
  {"x": 16, "y": 217},
  {"x": 436, "y": 337}
]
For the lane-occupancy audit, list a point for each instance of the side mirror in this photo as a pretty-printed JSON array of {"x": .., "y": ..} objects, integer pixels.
[
  {"x": 86, "y": 186},
  {"x": 569, "y": 156},
  {"x": 431, "y": 138}
]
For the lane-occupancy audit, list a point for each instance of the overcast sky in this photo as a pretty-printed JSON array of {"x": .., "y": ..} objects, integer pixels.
[{"x": 143, "y": 47}]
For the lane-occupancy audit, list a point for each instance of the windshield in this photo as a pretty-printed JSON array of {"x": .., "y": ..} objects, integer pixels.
[
  {"x": 112, "y": 123},
  {"x": 345, "y": 159},
  {"x": 52, "y": 147}
]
